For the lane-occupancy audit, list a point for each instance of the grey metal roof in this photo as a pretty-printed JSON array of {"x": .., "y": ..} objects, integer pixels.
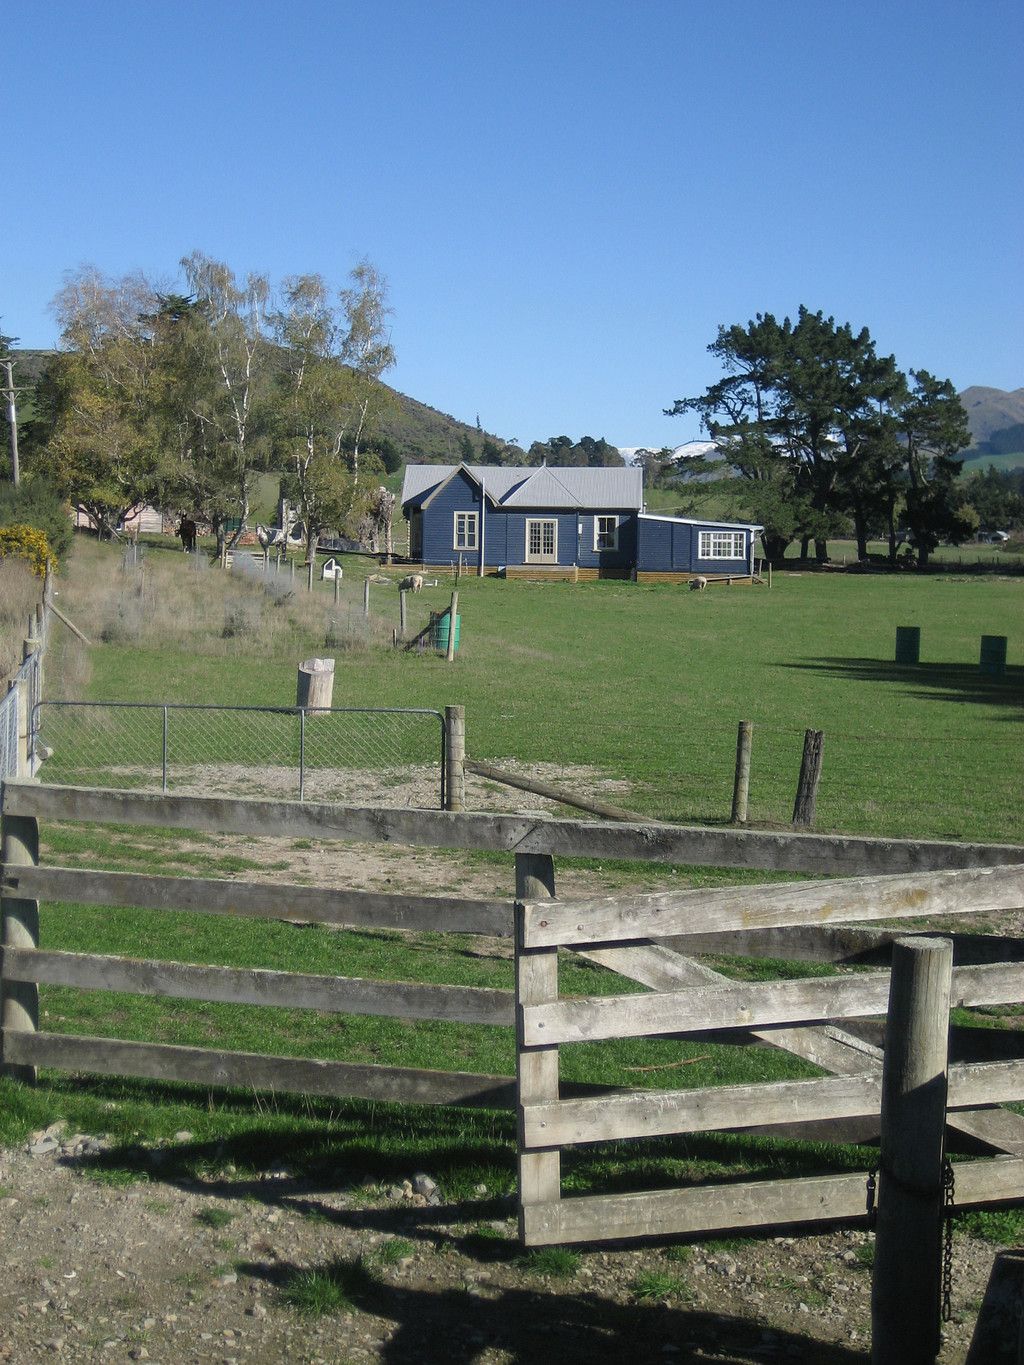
[
  {"x": 704, "y": 521},
  {"x": 547, "y": 487}
]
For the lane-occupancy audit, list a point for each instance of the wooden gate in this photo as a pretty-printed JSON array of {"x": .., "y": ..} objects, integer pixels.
[{"x": 647, "y": 938}]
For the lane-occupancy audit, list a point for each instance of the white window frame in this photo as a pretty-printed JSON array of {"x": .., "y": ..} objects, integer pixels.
[
  {"x": 612, "y": 531},
  {"x": 712, "y": 545},
  {"x": 466, "y": 536},
  {"x": 541, "y": 558}
]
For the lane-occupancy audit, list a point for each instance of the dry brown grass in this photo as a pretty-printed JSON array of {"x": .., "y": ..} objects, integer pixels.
[
  {"x": 167, "y": 598},
  {"x": 20, "y": 590}
]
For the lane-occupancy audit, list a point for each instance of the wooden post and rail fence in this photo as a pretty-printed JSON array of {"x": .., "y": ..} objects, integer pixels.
[
  {"x": 652, "y": 939},
  {"x": 457, "y": 765}
]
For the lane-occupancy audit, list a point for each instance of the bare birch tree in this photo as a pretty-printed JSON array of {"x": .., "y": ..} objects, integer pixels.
[
  {"x": 232, "y": 406},
  {"x": 333, "y": 352}
]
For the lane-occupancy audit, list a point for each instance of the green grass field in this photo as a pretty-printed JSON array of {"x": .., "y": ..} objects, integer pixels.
[
  {"x": 646, "y": 683},
  {"x": 640, "y": 683}
]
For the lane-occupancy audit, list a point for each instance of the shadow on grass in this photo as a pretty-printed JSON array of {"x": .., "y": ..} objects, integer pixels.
[
  {"x": 927, "y": 682},
  {"x": 454, "y": 1325}
]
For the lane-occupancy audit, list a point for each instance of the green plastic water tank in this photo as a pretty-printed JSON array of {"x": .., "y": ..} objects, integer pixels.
[
  {"x": 992, "y": 660},
  {"x": 908, "y": 644},
  {"x": 439, "y": 632}
]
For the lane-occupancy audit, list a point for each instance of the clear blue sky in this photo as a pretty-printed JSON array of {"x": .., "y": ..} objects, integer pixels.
[{"x": 567, "y": 198}]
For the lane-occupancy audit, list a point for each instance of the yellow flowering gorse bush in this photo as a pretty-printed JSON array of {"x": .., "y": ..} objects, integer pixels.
[{"x": 27, "y": 543}]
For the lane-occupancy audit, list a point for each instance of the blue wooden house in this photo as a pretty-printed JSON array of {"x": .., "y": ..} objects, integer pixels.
[{"x": 560, "y": 522}]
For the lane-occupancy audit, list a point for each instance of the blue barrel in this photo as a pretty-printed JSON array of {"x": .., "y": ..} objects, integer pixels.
[
  {"x": 908, "y": 644},
  {"x": 992, "y": 661},
  {"x": 439, "y": 632}
]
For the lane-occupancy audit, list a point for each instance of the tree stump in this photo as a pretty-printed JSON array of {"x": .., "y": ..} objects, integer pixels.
[{"x": 316, "y": 684}]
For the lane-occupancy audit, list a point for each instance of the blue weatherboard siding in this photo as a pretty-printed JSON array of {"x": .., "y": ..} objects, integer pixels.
[
  {"x": 671, "y": 547},
  {"x": 461, "y": 495}
]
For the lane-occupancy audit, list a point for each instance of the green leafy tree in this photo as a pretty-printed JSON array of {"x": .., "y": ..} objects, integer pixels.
[
  {"x": 996, "y": 496},
  {"x": 822, "y": 428},
  {"x": 588, "y": 452},
  {"x": 933, "y": 430},
  {"x": 96, "y": 441}
]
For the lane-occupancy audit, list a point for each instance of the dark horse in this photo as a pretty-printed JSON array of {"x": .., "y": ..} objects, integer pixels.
[{"x": 187, "y": 534}]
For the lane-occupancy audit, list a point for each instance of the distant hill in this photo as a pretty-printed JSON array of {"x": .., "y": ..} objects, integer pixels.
[
  {"x": 426, "y": 436},
  {"x": 996, "y": 419}
]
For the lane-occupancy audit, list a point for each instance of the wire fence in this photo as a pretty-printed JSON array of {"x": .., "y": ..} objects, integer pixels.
[
  {"x": 353, "y": 755},
  {"x": 25, "y": 689}
]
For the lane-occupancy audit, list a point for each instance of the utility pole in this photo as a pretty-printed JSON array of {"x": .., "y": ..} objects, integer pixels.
[{"x": 10, "y": 394}]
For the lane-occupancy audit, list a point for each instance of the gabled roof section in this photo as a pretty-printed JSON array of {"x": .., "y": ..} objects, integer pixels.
[
  {"x": 549, "y": 487},
  {"x": 423, "y": 481}
]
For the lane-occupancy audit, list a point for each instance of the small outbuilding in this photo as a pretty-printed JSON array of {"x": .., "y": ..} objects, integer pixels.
[{"x": 688, "y": 547}]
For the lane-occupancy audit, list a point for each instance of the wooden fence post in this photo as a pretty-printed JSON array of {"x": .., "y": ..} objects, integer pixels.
[
  {"x": 19, "y": 847},
  {"x": 536, "y": 1067},
  {"x": 29, "y": 647},
  {"x": 403, "y": 614},
  {"x": 741, "y": 782},
  {"x": 455, "y": 758},
  {"x": 907, "y": 1275},
  {"x": 452, "y": 613},
  {"x": 366, "y": 598},
  {"x": 810, "y": 774}
]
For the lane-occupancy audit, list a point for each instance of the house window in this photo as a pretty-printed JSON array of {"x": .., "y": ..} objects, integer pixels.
[
  {"x": 542, "y": 541},
  {"x": 606, "y": 533},
  {"x": 466, "y": 530},
  {"x": 722, "y": 545}
]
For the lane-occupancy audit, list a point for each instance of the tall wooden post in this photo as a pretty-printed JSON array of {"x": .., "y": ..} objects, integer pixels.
[
  {"x": 810, "y": 775},
  {"x": 366, "y": 598},
  {"x": 536, "y": 1067},
  {"x": 455, "y": 758},
  {"x": 452, "y": 613},
  {"x": 19, "y": 847},
  {"x": 741, "y": 782},
  {"x": 403, "y": 614},
  {"x": 906, "y": 1280},
  {"x": 337, "y": 588}
]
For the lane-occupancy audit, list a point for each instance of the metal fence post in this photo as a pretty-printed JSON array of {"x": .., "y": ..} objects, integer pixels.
[
  {"x": 302, "y": 754},
  {"x": 163, "y": 779}
]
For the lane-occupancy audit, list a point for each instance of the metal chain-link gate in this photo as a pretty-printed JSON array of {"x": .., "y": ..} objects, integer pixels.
[{"x": 356, "y": 755}]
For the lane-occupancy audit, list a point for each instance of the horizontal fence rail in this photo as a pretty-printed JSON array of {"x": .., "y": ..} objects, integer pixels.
[
  {"x": 291, "y": 751},
  {"x": 824, "y": 854}
]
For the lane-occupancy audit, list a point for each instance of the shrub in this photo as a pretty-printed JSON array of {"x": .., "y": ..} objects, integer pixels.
[
  {"x": 33, "y": 504},
  {"x": 241, "y": 618},
  {"x": 28, "y": 543}
]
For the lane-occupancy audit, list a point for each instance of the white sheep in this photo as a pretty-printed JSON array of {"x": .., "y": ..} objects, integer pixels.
[
  {"x": 698, "y": 584},
  {"x": 413, "y": 582}
]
